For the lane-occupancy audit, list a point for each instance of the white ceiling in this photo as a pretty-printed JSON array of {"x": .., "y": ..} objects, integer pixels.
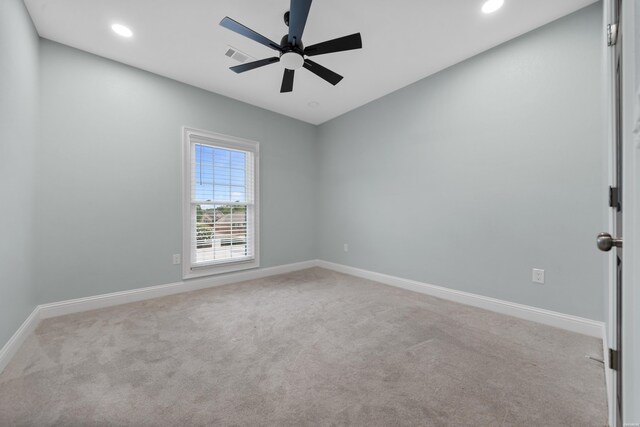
[{"x": 403, "y": 41}]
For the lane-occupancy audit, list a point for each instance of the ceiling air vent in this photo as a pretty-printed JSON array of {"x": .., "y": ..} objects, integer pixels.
[{"x": 235, "y": 54}]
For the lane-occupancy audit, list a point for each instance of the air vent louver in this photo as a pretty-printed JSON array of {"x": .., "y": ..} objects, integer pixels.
[{"x": 235, "y": 54}]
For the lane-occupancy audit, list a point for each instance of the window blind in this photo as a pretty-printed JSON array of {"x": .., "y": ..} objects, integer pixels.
[{"x": 222, "y": 202}]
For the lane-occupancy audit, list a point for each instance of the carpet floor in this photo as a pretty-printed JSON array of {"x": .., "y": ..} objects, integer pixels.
[{"x": 312, "y": 347}]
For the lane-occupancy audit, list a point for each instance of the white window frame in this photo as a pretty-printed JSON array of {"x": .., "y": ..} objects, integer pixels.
[{"x": 223, "y": 141}]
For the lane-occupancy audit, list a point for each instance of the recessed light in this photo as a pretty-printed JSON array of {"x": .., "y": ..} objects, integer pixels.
[
  {"x": 121, "y": 30},
  {"x": 491, "y": 6}
]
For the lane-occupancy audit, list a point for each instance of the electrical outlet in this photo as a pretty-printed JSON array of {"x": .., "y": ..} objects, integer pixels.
[
  {"x": 176, "y": 259},
  {"x": 538, "y": 276},
  {"x": 346, "y": 247}
]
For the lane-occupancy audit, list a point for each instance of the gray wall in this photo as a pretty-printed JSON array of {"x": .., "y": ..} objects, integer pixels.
[
  {"x": 471, "y": 177},
  {"x": 18, "y": 144},
  {"x": 110, "y": 165}
]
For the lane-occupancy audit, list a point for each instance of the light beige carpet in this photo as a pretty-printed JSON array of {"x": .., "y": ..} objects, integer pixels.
[{"x": 308, "y": 348}]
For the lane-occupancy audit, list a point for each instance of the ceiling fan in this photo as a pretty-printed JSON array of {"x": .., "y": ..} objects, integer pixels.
[{"x": 292, "y": 52}]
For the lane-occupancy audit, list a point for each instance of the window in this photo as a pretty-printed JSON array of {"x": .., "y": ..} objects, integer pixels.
[{"x": 220, "y": 203}]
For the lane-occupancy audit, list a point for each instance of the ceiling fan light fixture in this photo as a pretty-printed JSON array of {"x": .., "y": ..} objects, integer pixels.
[
  {"x": 291, "y": 60},
  {"x": 491, "y": 6}
]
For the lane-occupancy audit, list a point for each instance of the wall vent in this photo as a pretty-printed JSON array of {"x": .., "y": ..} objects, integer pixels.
[{"x": 236, "y": 55}]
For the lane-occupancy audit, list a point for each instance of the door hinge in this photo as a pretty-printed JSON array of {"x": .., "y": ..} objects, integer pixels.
[
  {"x": 612, "y": 34},
  {"x": 614, "y": 197},
  {"x": 613, "y": 359}
]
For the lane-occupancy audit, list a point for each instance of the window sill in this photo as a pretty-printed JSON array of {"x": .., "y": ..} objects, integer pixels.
[{"x": 212, "y": 270}]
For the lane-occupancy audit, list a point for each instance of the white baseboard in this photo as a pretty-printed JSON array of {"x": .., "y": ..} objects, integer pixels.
[
  {"x": 16, "y": 340},
  {"x": 559, "y": 320},
  {"x": 116, "y": 298}
]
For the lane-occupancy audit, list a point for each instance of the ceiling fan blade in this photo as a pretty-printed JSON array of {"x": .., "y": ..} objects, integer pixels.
[
  {"x": 255, "y": 64},
  {"x": 248, "y": 32},
  {"x": 298, "y": 13},
  {"x": 287, "y": 81},
  {"x": 322, "y": 72},
  {"x": 354, "y": 41}
]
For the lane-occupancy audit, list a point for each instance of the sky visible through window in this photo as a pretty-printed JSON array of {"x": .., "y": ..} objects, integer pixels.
[{"x": 220, "y": 174}]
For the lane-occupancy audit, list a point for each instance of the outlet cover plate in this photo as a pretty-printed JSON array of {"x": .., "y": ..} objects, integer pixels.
[{"x": 538, "y": 276}]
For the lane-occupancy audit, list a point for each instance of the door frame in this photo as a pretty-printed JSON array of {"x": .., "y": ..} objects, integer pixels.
[
  {"x": 630, "y": 33},
  {"x": 631, "y": 222},
  {"x": 609, "y": 334}
]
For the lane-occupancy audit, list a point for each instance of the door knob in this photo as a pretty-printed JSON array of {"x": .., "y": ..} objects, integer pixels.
[{"x": 606, "y": 242}]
